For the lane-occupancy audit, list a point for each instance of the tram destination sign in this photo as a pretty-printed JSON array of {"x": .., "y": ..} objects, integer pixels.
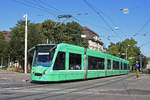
[{"x": 47, "y": 47}]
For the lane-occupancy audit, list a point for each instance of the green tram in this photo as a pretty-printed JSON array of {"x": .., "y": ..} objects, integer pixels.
[{"x": 62, "y": 62}]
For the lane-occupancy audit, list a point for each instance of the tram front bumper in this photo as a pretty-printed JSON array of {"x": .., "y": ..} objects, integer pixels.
[{"x": 44, "y": 77}]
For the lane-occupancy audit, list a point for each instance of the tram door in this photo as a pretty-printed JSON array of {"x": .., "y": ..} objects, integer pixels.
[
  {"x": 85, "y": 64},
  {"x": 109, "y": 69}
]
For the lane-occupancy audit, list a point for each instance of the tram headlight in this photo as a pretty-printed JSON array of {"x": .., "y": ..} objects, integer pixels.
[{"x": 46, "y": 71}]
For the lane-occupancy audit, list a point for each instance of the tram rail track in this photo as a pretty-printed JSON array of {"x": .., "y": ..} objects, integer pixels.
[
  {"x": 38, "y": 85},
  {"x": 72, "y": 89}
]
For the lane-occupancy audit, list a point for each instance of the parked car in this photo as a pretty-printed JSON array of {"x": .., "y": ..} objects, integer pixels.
[{"x": 2, "y": 67}]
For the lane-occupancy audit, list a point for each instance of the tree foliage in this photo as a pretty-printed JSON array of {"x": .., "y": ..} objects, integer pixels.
[
  {"x": 73, "y": 34},
  {"x": 127, "y": 48},
  {"x": 55, "y": 32},
  {"x": 3, "y": 48},
  {"x": 16, "y": 45},
  {"x": 2, "y": 45}
]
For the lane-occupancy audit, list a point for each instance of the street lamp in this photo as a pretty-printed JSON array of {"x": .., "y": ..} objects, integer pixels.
[
  {"x": 116, "y": 28},
  {"x": 141, "y": 60},
  {"x": 127, "y": 51},
  {"x": 125, "y": 10},
  {"x": 26, "y": 38}
]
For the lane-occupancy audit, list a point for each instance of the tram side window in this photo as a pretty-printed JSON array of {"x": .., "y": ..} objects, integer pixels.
[
  {"x": 115, "y": 65},
  {"x": 95, "y": 63},
  {"x": 128, "y": 67},
  {"x": 109, "y": 64},
  {"x": 74, "y": 61},
  {"x": 60, "y": 61},
  {"x": 125, "y": 66},
  {"x": 120, "y": 65}
]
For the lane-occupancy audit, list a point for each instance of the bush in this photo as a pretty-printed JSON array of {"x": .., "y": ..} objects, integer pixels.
[
  {"x": 16, "y": 69},
  {"x": 10, "y": 69}
]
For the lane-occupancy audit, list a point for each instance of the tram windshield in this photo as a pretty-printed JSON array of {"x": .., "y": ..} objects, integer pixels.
[{"x": 43, "y": 57}]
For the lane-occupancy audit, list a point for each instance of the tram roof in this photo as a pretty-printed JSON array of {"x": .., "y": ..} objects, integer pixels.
[{"x": 75, "y": 46}]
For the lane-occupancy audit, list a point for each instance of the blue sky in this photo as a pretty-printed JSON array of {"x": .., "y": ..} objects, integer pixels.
[{"x": 136, "y": 21}]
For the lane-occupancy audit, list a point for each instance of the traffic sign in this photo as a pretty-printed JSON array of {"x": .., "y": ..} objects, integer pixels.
[{"x": 137, "y": 65}]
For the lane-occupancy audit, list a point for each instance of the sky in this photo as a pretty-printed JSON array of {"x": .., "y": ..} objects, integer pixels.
[{"x": 102, "y": 16}]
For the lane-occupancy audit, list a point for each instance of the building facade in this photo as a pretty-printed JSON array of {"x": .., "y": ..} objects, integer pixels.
[
  {"x": 148, "y": 65},
  {"x": 94, "y": 41}
]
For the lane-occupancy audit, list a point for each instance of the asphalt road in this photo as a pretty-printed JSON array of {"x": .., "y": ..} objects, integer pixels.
[{"x": 13, "y": 86}]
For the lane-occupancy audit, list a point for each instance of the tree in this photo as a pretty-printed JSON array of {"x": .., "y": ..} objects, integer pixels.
[
  {"x": 59, "y": 32},
  {"x": 113, "y": 50},
  {"x": 127, "y": 48},
  {"x": 3, "y": 48},
  {"x": 73, "y": 34},
  {"x": 16, "y": 45},
  {"x": 39, "y": 33},
  {"x": 48, "y": 31}
]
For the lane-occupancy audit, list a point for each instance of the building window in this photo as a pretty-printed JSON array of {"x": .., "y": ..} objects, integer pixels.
[
  {"x": 108, "y": 64},
  {"x": 74, "y": 61},
  {"x": 60, "y": 61},
  {"x": 115, "y": 65},
  {"x": 95, "y": 63}
]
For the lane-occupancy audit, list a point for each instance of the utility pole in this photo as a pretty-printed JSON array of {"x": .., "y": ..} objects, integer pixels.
[
  {"x": 8, "y": 60},
  {"x": 141, "y": 63},
  {"x": 126, "y": 53},
  {"x": 63, "y": 16},
  {"x": 26, "y": 45},
  {"x": 47, "y": 41}
]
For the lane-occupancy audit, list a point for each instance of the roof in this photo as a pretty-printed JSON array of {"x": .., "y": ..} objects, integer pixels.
[
  {"x": 6, "y": 34},
  {"x": 148, "y": 58},
  {"x": 89, "y": 33}
]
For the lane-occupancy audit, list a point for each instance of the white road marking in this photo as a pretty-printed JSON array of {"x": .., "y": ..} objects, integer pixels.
[{"x": 3, "y": 78}]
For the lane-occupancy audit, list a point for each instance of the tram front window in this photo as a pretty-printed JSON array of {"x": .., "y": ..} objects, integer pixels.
[{"x": 43, "y": 59}]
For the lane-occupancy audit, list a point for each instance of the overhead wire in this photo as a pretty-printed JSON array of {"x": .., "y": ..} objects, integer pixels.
[
  {"x": 112, "y": 22},
  {"x": 48, "y": 5},
  {"x": 140, "y": 30},
  {"x": 31, "y": 5},
  {"x": 34, "y": 4},
  {"x": 107, "y": 38},
  {"x": 89, "y": 5},
  {"x": 99, "y": 14},
  {"x": 109, "y": 26},
  {"x": 98, "y": 26},
  {"x": 145, "y": 43},
  {"x": 144, "y": 25},
  {"x": 40, "y": 5},
  {"x": 110, "y": 19}
]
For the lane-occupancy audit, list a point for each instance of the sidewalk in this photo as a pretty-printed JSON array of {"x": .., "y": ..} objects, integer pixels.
[
  {"x": 142, "y": 83},
  {"x": 14, "y": 76}
]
